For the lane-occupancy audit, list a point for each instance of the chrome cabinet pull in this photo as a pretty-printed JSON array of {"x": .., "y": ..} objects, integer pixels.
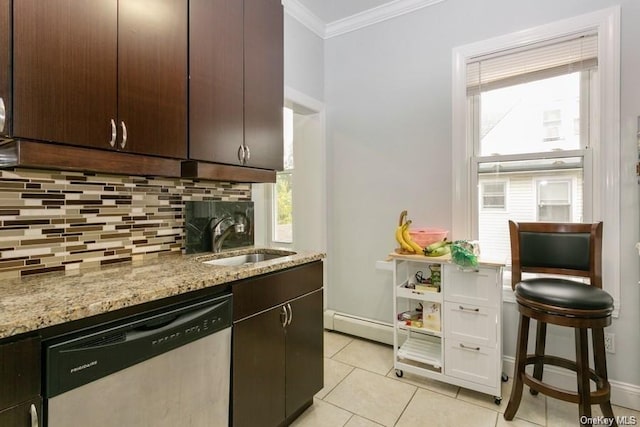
[
  {"x": 241, "y": 154},
  {"x": 114, "y": 133},
  {"x": 469, "y": 348},
  {"x": 124, "y": 134},
  {"x": 284, "y": 316},
  {"x": 290, "y": 314},
  {"x": 33, "y": 411},
  {"x": 469, "y": 309},
  {"x": 3, "y": 114},
  {"x": 247, "y": 155}
]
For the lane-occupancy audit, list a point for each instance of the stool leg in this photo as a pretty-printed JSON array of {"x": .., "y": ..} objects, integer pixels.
[
  {"x": 521, "y": 358},
  {"x": 582, "y": 362},
  {"x": 600, "y": 361},
  {"x": 541, "y": 339}
]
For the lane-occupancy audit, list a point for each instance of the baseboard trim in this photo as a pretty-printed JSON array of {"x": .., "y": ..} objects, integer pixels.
[{"x": 622, "y": 394}]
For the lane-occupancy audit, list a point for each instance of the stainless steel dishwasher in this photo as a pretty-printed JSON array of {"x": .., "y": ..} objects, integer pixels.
[{"x": 166, "y": 368}]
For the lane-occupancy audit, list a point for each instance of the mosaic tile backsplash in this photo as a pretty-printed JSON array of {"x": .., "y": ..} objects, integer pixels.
[{"x": 61, "y": 221}]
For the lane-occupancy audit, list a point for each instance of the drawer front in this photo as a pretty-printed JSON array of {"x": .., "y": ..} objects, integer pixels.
[
  {"x": 260, "y": 293},
  {"x": 472, "y": 287},
  {"x": 471, "y": 362},
  {"x": 19, "y": 371},
  {"x": 470, "y": 323}
]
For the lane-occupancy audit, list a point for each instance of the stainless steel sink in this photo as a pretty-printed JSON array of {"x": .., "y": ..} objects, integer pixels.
[{"x": 244, "y": 259}]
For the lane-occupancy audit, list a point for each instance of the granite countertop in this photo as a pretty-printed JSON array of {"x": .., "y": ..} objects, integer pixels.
[{"x": 40, "y": 301}]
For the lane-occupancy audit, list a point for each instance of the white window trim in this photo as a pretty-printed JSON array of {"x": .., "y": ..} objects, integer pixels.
[{"x": 606, "y": 156}]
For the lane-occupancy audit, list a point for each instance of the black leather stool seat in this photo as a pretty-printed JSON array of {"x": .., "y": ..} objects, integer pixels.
[{"x": 564, "y": 293}]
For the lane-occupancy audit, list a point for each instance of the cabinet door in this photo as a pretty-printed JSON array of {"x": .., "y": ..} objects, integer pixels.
[
  {"x": 19, "y": 371},
  {"x": 152, "y": 76},
  {"x": 216, "y": 124},
  {"x": 263, "y": 83},
  {"x": 26, "y": 414},
  {"x": 304, "y": 336},
  {"x": 5, "y": 67},
  {"x": 64, "y": 58},
  {"x": 259, "y": 370}
]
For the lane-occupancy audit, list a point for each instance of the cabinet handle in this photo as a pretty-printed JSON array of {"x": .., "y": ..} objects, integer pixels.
[
  {"x": 469, "y": 348},
  {"x": 417, "y": 292},
  {"x": 247, "y": 154},
  {"x": 33, "y": 411},
  {"x": 283, "y": 316},
  {"x": 124, "y": 134},
  {"x": 469, "y": 309},
  {"x": 3, "y": 114},
  {"x": 241, "y": 154},
  {"x": 290, "y": 314},
  {"x": 114, "y": 133}
]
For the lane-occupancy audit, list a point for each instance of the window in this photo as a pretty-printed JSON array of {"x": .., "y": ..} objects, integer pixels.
[
  {"x": 552, "y": 122},
  {"x": 516, "y": 121},
  {"x": 539, "y": 110},
  {"x": 493, "y": 194},
  {"x": 283, "y": 194},
  {"x": 554, "y": 201}
]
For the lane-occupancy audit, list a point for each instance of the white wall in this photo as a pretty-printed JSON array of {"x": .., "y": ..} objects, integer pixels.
[
  {"x": 388, "y": 100},
  {"x": 303, "y": 59}
]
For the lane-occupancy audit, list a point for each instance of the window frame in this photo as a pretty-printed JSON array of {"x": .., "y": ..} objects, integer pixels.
[{"x": 604, "y": 196}]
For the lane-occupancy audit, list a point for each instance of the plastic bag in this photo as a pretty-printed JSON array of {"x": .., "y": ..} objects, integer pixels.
[{"x": 465, "y": 253}]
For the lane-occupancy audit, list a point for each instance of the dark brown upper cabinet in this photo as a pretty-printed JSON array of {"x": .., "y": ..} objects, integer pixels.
[
  {"x": 263, "y": 83},
  {"x": 108, "y": 74},
  {"x": 5, "y": 67},
  {"x": 236, "y": 82}
]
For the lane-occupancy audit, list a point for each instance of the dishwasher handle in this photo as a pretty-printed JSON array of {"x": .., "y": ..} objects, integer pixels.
[{"x": 164, "y": 323}]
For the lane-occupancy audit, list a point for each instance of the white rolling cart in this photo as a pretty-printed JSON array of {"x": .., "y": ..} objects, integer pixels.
[{"x": 452, "y": 334}]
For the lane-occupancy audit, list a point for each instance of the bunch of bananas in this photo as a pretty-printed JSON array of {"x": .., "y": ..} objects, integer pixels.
[
  {"x": 440, "y": 248},
  {"x": 407, "y": 245},
  {"x": 404, "y": 238}
]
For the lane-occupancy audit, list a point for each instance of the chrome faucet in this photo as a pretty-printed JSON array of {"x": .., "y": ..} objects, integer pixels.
[{"x": 218, "y": 236}]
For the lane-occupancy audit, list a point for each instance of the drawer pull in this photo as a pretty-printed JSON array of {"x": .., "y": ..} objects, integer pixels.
[
  {"x": 469, "y": 309},
  {"x": 417, "y": 292},
  {"x": 469, "y": 348}
]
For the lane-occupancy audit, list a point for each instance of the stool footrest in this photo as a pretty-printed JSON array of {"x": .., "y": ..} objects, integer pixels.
[{"x": 600, "y": 395}]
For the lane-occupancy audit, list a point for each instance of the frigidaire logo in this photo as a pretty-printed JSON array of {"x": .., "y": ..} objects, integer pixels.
[{"x": 85, "y": 366}]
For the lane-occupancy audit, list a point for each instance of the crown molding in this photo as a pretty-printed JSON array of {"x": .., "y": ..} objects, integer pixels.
[
  {"x": 307, "y": 18},
  {"x": 375, "y": 15},
  {"x": 354, "y": 22}
]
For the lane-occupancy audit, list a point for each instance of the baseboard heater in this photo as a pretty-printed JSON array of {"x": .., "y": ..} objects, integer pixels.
[{"x": 358, "y": 326}]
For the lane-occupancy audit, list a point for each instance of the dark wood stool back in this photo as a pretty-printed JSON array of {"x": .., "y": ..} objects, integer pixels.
[{"x": 568, "y": 251}]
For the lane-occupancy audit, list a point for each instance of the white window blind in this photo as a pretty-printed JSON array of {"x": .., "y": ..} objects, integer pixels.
[{"x": 534, "y": 62}]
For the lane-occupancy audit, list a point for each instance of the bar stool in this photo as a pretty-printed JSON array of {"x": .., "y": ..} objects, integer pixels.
[{"x": 568, "y": 249}]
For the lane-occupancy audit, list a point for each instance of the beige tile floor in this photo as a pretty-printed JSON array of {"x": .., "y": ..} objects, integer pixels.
[{"x": 361, "y": 390}]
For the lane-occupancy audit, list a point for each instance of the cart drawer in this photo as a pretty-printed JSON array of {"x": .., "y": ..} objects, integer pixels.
[
  {"x": 472, "y": 287},
  {"x": 472, "y": 362},
  {"x": 471, "y": 323}
]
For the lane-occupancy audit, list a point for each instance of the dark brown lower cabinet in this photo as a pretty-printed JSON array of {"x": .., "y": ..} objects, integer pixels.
[
  {"x": 20, "y": 383},
  {"x": 277, "y": 356},
  {"x": 27, "y": 414}
]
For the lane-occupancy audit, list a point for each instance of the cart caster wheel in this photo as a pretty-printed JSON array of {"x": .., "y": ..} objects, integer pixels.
[
  {"x": 497, "y": 400},
  {"x": 399, "y": 373},
  {"x": 504, "y": 378}
]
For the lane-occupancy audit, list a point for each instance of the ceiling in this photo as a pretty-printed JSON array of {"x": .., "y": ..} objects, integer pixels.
[{"x": 334, "y": 10}]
